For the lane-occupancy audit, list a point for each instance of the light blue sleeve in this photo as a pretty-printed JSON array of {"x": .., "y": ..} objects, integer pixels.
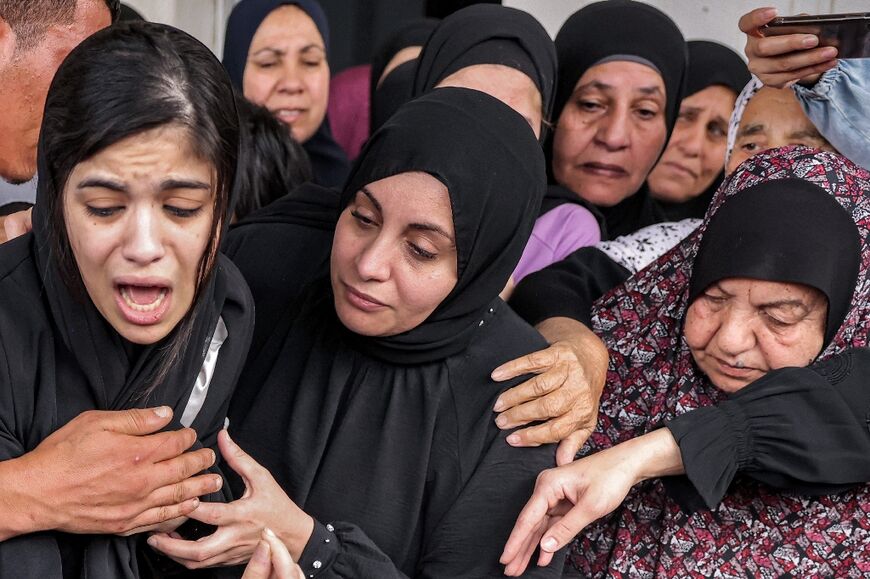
[{"x": 839, "y": 105}]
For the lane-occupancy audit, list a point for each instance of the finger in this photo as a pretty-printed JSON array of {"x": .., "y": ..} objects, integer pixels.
[
  {"x": 549, "y": 432},
  {"x": 164, "y": 446},
  {"x": 529, "y": 364},
  {"x": 531, "y": 545},
  {"x": 552, "y": 405},
  {"x": 169, "y": 474},
  {"x": 528, "y": 520},
  {"x": 282, "y": 563},
  {"x": 232, "y": 556},
  {"x": 161, "y": 514},
  {"x": 570, "y": 446},
  {"x": 779, "y": 46},
  {"x": 239, "y": 460},
  {"x": 750, "y": 22},
  {"x": 781, "y": 80},
  {"x": 793, "y": 63},
  {"x": 563, "y": 530},
  {"x": 18, "y": 224},
  {"x": 134, "y": 421},
  {"x": 195, "y": 551},
  {"x": 260, "y": 566},
  {"x": 216, "y": 514},
  {"x": 538, "y": 386}
]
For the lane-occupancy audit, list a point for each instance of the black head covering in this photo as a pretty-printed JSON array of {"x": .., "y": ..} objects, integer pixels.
[
  {"x": 413, "y": 33},
  {"x": 129, "y": 13},
  {"x": 420, "y": 403},
  {"x": 443, "y": 134},
  {"x": 396, "y": 89},
  {"x": 787, "y": 230},
  {"x": 489, "y": 34},
  {"x": 68, "y": 358},
  {"x": 710, "y": 63},
  {"x": 621, "y": 30},
  {"x": 328, "y": 160}
]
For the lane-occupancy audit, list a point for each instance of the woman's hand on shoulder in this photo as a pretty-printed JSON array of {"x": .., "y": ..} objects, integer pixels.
[
  {"x": 570, "y": 497},
  {"x": 569, "y": 378},
  {"x": 781, "y": 61},
  {"x": 15, "y": 225},
  {"x": 272, "y": 560},
  {"x": 240, "y": 523}
]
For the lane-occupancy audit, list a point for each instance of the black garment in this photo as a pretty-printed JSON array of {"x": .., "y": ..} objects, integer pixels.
[
  {"x": 328, "y": 160},
  {"x": 395, "y": 90},
  {"x": 391, "y": 441},
  {"x": 710, "y": 63},
  {"x": 59, "y": 357},
  {"x": 646, "y": 35},
  {"x": 489, "y": 34},
  {"x": 414, "y": 33},
  {"x": 567, "y": 288},
  {"x": 786, "y": 230},
  {"x": 799, "y": 429}
]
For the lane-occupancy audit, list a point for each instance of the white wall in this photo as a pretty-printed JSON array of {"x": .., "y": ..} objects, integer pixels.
[
  {"x": 698, "y": 19},
  {"x": 204, "y": 19}
]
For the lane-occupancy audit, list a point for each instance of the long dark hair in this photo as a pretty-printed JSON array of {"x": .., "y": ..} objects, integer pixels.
[{"x": 122, "y": 81}]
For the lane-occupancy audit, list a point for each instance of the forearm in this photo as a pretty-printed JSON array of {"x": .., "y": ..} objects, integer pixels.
[
  {"x": 657, "y": 455},
  {"x": 23, "y": 499}
]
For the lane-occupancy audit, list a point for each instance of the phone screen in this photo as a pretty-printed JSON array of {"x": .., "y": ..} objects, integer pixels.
[{"x": 849, "y": 33}]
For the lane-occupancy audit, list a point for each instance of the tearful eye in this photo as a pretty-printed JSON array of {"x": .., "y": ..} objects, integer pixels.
[
  {"x": 103, "y": 211},
  {"x": 362, "y": 219},
  {"x": 422, "y": 253},
  {"x": 181, "y": 212}
]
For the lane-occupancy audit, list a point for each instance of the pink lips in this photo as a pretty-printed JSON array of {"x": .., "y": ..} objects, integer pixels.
[
  {"x": 362, "y": 301},
  {"x": 143, "y": 301}
]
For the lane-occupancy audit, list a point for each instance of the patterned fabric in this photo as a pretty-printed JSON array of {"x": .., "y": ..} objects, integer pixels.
[
  {"x": 752, "y": 87},
  {"x": 755, "y": 531},
  {"x": 637, "y": 250}
]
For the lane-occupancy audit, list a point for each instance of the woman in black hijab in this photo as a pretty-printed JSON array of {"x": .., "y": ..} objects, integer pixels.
[
  {"x": 601, "y": 154},
  {"x": 278, "y": 59},
  {"x": 407, "y": 40},
  {"x": 383, "y": 433},
  {"x": 692, "y": 166},
  {"x": 119, "y": 298},
  {"x": 467, "y": 46}
]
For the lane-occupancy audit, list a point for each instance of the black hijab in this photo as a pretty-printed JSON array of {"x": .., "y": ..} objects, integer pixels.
[
  {"x": 710, "y": 64},
  {"x": 617, "y": 30},
  {"x": 413, "y": 33},
  {"x": 328, "y": 160},
  {"x": 489, "y": 34},
  {"x": 786, "y": 230},
  {"x": 408, "y": 417},
  {"x": 59, "y": 355}
]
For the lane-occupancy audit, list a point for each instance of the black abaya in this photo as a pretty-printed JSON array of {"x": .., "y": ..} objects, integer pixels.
[{"x": 390, "y": 443}]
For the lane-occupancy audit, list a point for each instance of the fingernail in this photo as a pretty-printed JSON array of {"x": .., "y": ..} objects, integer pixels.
[
  {"x": 162, "y": 411},
  {"x": 268, "y": 532},
  {"x": 218, "y": 483},
  {"x": 501, "y": 421},
  {"x": 195, "y": 502},
  {"x": 497, "y": 374},
  {"x": 152, "y": 541},
  {"x": 513, "y": 439},
  {"x": 810, "y": 41},
  {"x": 499, "y": 406},
  {"x": 829, "y": 52},
  {"x": 549, "y": 544},
  {"x": 770, "y": 13}
]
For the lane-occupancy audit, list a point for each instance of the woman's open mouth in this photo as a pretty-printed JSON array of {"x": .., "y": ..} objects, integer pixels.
[{"x": 143, "y": 304}]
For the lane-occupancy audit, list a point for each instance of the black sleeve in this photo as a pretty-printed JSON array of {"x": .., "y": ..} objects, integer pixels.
[
  {"x": 567, "y": 288},
  {"x": 799, "y": 429}
]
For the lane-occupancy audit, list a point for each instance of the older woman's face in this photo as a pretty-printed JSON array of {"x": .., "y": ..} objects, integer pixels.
[
  {"x": 139, "y": 216},
  {"x": 509, "y": 85},
  {"x": 773, "y": 118},
  {"x": 696, "y": 150},
  {"x": 739, "y": 329},
  {"x": 610, "y": 132},
  {"x": 394, "y": 255},
  {"x": 287, "y": 71}
]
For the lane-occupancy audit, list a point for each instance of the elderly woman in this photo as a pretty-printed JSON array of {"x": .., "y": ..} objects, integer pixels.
[
  {"x": 119, "y": 298},
  {"x": 758, "y": 288}
]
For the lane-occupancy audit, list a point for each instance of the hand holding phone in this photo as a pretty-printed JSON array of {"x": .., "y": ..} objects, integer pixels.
[
  {"x": 848, "y": 33},
  {"x": 780, "y": 61}
]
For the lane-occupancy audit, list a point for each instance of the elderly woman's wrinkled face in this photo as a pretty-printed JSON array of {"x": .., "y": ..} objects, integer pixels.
[
  {"x": 696, "y": 151},
  {"x": 393, "y": 255},
  {"x": 509, "y": 85},
  {"x": 287, "y": 71},
  {"x": 139, "y": 216},
  {"x": 773, "y": 118},
  {"x": 739, "y": 329},
  {"x": 610, "y": 132}
]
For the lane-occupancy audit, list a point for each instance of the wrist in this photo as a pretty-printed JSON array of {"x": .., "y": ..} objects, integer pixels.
[
  {"x": 658, "y": 455},
  {"x": 22, "y": 500},
  {"x": 297, "y": 535}
]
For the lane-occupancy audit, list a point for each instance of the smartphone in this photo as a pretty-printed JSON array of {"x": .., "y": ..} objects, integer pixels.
[{"x": 849, "y": 33}]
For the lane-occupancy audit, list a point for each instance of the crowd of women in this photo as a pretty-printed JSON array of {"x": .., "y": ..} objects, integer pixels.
[{"x": 617, "y": 252}]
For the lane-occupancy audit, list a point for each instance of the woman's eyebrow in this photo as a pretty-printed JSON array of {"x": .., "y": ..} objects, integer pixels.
[
  {"x": 371, "y": 197},
  {"x": 433, "y": 228},
  {"x": 170, "y": 184},
  {"x": 102, "y": 183},
  {"x": 792, "y": 303},
  {"x": 275, "y": 51}
]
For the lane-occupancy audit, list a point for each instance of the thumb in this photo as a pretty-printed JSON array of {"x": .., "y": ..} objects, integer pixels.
[
  {"x": 136, "y": 421},
  {"x": 563, "y": 530},
  {"x": 570, "y": 445},
  {"x": 239, "y": 460}
]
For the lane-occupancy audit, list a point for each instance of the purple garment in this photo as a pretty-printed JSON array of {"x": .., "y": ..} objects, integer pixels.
[
  {"x": 348, "y": 109},
  {"x": 557, "y": 233}
]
